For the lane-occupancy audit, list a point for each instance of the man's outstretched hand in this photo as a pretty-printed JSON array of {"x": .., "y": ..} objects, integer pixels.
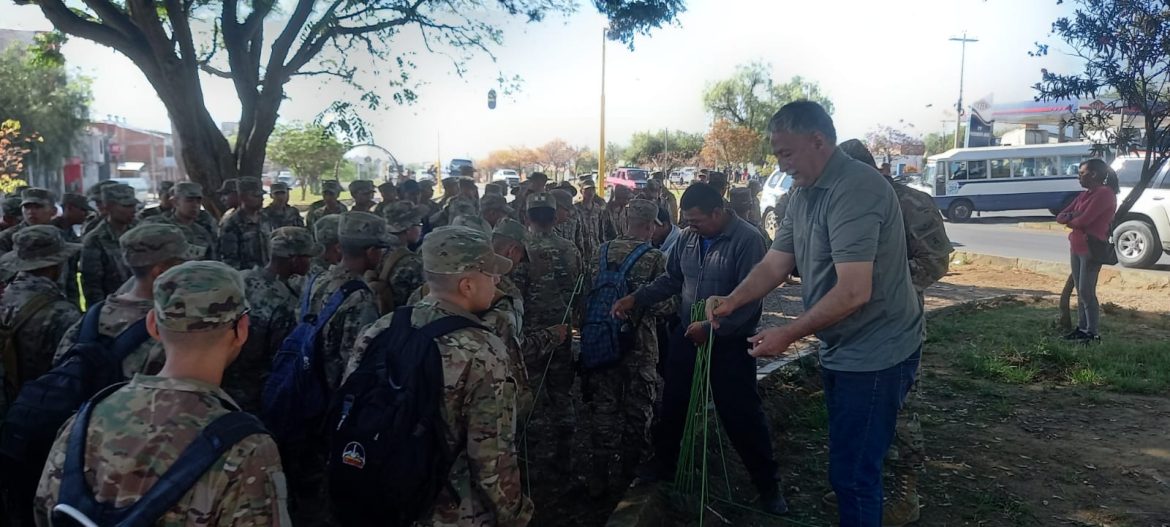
[{"x": 770, "y": 342}]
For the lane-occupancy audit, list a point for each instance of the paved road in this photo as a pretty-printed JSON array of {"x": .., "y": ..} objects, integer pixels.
[{"x": 1001, "y": 235}]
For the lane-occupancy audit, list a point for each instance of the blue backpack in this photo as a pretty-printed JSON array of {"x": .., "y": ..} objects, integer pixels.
[
  {"x": 76, "y": 505},
  {"x": 296, "y": 394},
  {"x": 601, "y": 333}
]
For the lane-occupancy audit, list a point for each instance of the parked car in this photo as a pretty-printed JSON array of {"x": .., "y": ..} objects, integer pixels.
[
  {"x": 1143, "y": 235},
  {"x": 456, "y": 164},
  {"x": 683, "y": 176},
  {"x": 633, "y": 178},
  {"x": 775, "y": 186},
  {"x": 287, "y": 178},
  {"x": 509, "y": 176}
]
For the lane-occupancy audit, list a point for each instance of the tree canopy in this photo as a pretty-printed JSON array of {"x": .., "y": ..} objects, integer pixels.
[
  {"x": 730, "y": 143},
  {"x": 261, "y": 45},
  {"x": 665, "y": 149},
  {"x": 885, "y": 142},
  {"x": 309, "y": 150}
]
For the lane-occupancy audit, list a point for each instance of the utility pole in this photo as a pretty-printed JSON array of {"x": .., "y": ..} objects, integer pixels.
[
  {"x": 962, "y": 70},
  {"x": 601, "y": 147}
]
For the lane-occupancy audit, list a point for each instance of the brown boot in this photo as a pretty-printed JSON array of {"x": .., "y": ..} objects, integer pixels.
[{"x": 901, "y": 506}]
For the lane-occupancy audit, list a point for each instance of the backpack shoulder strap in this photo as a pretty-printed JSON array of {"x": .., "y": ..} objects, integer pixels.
[
  {"x": 633, "y": 257},
  {"x": 89, "y": 324},
  {"x": 130, "y": 338},
  {"x": 603, "y": 258},
  {"x": 336, "y": 299},
  {"x": 437, "y": 328},
  {"x": 307, "y": 295},
  {"x": 392, "y": 261},
  {"x": 74, "y": 492},
  {"x": 32, "y": 307},
  {"x": 208, "y": 447}
]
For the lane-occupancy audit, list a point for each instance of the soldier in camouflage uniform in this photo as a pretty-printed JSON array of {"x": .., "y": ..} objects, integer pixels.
[
  {"x": 568, "y": 223},
  {"x": 94, "y": 194},
  {"x": 620, "y": 399},
  {"x": 38, "y": 206},
  {"x": 136, "y": 433},
  {"x": 389, "y": 195},
  {"x": 328, "y": 203},
  {"x": 11, "y": 212},
  {"x": 148, "y": 251},
  {"x": 325, "y": 232},
  {"x": 450, "y": 190},
  {"x": 741, "y": 202},
  {"x": 103, "y": 271},
  {"x": 928, "y": 252},
  {"x": 166, "y": 201},
  {"x": 186, "y": 216},
  {"x": 229, "y": 193},
  {"x": 74, "y": 210},
  {"x": 589, "y": 211},
  {"x": 613, "y": 218},
  {"x": 279, "y": 213},
  {"x": 400, "y": 270},
  {"x": 362, "y": 192},
  {"x": 662, "y": 197},
  {"x": 493, "y": 188},
  {"x": 551, "y": 277},
  {"x": 273, "y": 300},
  {"x": 479, "y": 394},
  {"x": 455, "y": 207},
  {"x": 34, "y": 306},
  {"x": 243, "y": 241},
  {"x": 494, "y": 207}
]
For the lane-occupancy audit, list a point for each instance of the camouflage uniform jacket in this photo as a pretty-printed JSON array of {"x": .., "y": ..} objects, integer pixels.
[
  {"x": 548, "y": 279},
  {"x": 335, "y": 343},
  {"x": 573, "y": 231},
  {"x": 39, "y": 335},
  {"x": 590, "y": 216},
  {"x": 399, "y": 273},
  {"x": 613, "y": 223},
  {"x": 196, "y": 232},
  {"x": 645, "y": 270},
  {"x": 6, "y": 243},
  {"x": 136, "y": 434},
  {"x": 151, "y": 212},
  {"x": 479, "y": 408},
  {"x": 103, "y": 269},
  {"x": 319, "y": 209},
  {"x": 286, "y": 216},
  {"x": 91, "y": 223},
  {"x": 272, "y": 304},
  {"x": 119, "y": 312},
  {"x": 69, "y": 278},
  {"x": 667, "y": 201},
  {"x": 243, "y": 243},
  {"x": 927, "y": 245}
]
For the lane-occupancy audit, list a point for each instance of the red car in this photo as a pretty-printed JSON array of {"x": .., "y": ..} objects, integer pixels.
[{"x": 633, "y": 178}]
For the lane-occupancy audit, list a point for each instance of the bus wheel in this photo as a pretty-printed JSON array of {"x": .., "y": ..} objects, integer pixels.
[{"x": 960, "y": 211}]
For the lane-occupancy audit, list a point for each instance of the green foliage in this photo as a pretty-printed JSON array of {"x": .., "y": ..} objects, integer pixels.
[
  {"x": 47, "y": 102},
  {"x": 937, "y": 143},
  {"x": 663, "y": 148},
  {"x": 886, "y": 141},
  {"x": 631, "y": 17},
  {"x": 750, "y": 97},
  {"x": 310, "y": 151}
]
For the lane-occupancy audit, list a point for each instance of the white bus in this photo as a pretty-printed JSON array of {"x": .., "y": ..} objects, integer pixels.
[{"x": 996, "y": 178}]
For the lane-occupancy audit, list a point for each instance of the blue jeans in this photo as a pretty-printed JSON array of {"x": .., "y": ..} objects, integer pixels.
[{"x": 863, "y": 409}]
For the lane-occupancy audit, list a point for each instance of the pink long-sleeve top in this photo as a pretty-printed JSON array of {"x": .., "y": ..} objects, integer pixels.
[{"x": 1090, "y": 213}]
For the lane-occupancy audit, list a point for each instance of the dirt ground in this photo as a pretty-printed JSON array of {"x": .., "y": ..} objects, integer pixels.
[{"x": 1029, "y": 454}]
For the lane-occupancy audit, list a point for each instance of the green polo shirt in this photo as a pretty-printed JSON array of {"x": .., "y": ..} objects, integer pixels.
[{"x": 851, "y": 215}]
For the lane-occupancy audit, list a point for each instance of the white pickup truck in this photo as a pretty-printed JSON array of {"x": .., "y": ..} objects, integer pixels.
[{"x": 1143, "y": 235}]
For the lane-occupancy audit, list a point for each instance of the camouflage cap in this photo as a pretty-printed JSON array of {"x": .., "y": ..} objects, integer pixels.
[
  {"x": 564, "y": 199},
  {"x": 541, "y": 200},
  {"x": 325, "y": 229},
  {"x": 330, "y": 185},
  {"x": 38, "y": 196},
  {"x": 361, "y": 185},
  {"x": 622, "y": 191},
  {"x": 466, "y": 181},
  {"x": 510, "y": 228},
  {"x": 199, "y": 296},
  {"x": 228, "y": 186},
  {"x": 250, "y": 185},
  {"x": 537, "y": 176},
  {"x": 568, "y": 187},
  {"x": 362, "y": 229},
  {"x": 287, "y": 242},
  {"x": 495, "y": 202},
  {"x": 455, "y": 250},
  {"x": 740, "y": 196},
  {"x": 12, "y": 206},
  {"x": 278, "y": 188},
  {"x": 426, "y": 183},
  {"x": 188, "y": 189},
  {"x": 119, "y": 195},
  {"x": 165, "y": 186},
  {"x": 76, "y": 200},
  {"x": 462, "y": 206},
  {"x": 153, "y": 243},
  {"x": 653, "y": 184},
  {"x": 474, "y": 222},
  {"x": 450, "y": 181},
  {"x": 642, "y": 211},
  {"x": 410, "y": 185},
  {"x": 402, "y": 215},
  {"x": 493, "y": 188},
  {"x": 94, "y": 193},
  {"x": 37, "y": 247},
  {"x": 384, "y": 187},
  {"x": 587, "y": 182}
]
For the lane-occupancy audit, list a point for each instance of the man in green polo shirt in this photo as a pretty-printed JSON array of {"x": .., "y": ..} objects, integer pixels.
[{"x": 843, "y": 228}]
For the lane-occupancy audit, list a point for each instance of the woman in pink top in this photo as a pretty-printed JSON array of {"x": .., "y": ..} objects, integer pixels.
[{"x": 1090, "y": 214}]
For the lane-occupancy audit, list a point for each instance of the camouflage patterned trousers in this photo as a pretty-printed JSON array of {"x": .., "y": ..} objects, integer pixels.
[
  {"x": 619, "y": 403},
  {"x": 553, "y": 414}
]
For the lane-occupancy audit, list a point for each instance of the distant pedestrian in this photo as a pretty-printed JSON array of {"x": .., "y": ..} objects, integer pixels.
[
  {"x": 279, "y": 213},
  {"x": 1090, "y": 217}
]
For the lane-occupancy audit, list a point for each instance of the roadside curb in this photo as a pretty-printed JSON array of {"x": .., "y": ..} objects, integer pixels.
[
  {"x": 1043, "y": 226},
  {"x": 1114, "y": 275}
]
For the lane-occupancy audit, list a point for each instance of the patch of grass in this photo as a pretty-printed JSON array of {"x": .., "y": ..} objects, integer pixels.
[
  {"x": 1012, "y": 342},
  {"x": 997, "y": 505},
  {"x": 811, "y": 414}
]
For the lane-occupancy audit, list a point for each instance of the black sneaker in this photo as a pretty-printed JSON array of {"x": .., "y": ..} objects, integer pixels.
[
  {"x": 1077, "y": 334},
  {"x": 1090, "y": 338}
]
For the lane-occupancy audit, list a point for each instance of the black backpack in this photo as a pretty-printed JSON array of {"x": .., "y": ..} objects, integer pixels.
[
  {"x": 388, "y": 453},
  {"x": 76, "y": 505},
  {"x": 44, "y": 404}
]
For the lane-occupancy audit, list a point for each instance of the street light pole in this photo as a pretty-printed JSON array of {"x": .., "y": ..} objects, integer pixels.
[
  {"x": 962, "y": 71},
  {"x": 601, "y": 147}
]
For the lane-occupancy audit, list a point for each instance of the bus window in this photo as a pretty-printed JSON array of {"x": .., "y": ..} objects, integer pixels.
[
  {"x": 968, "y": 170},
  {"x": 1071, "y": 164},
  {"x": 1000, "y": 168},
  {"x": 1046, "y": 166},
  {"x": 1024, "y": 167}
]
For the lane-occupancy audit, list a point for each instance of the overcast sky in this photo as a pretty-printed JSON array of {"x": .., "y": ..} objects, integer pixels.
[{"x": 881, "y": 62}]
